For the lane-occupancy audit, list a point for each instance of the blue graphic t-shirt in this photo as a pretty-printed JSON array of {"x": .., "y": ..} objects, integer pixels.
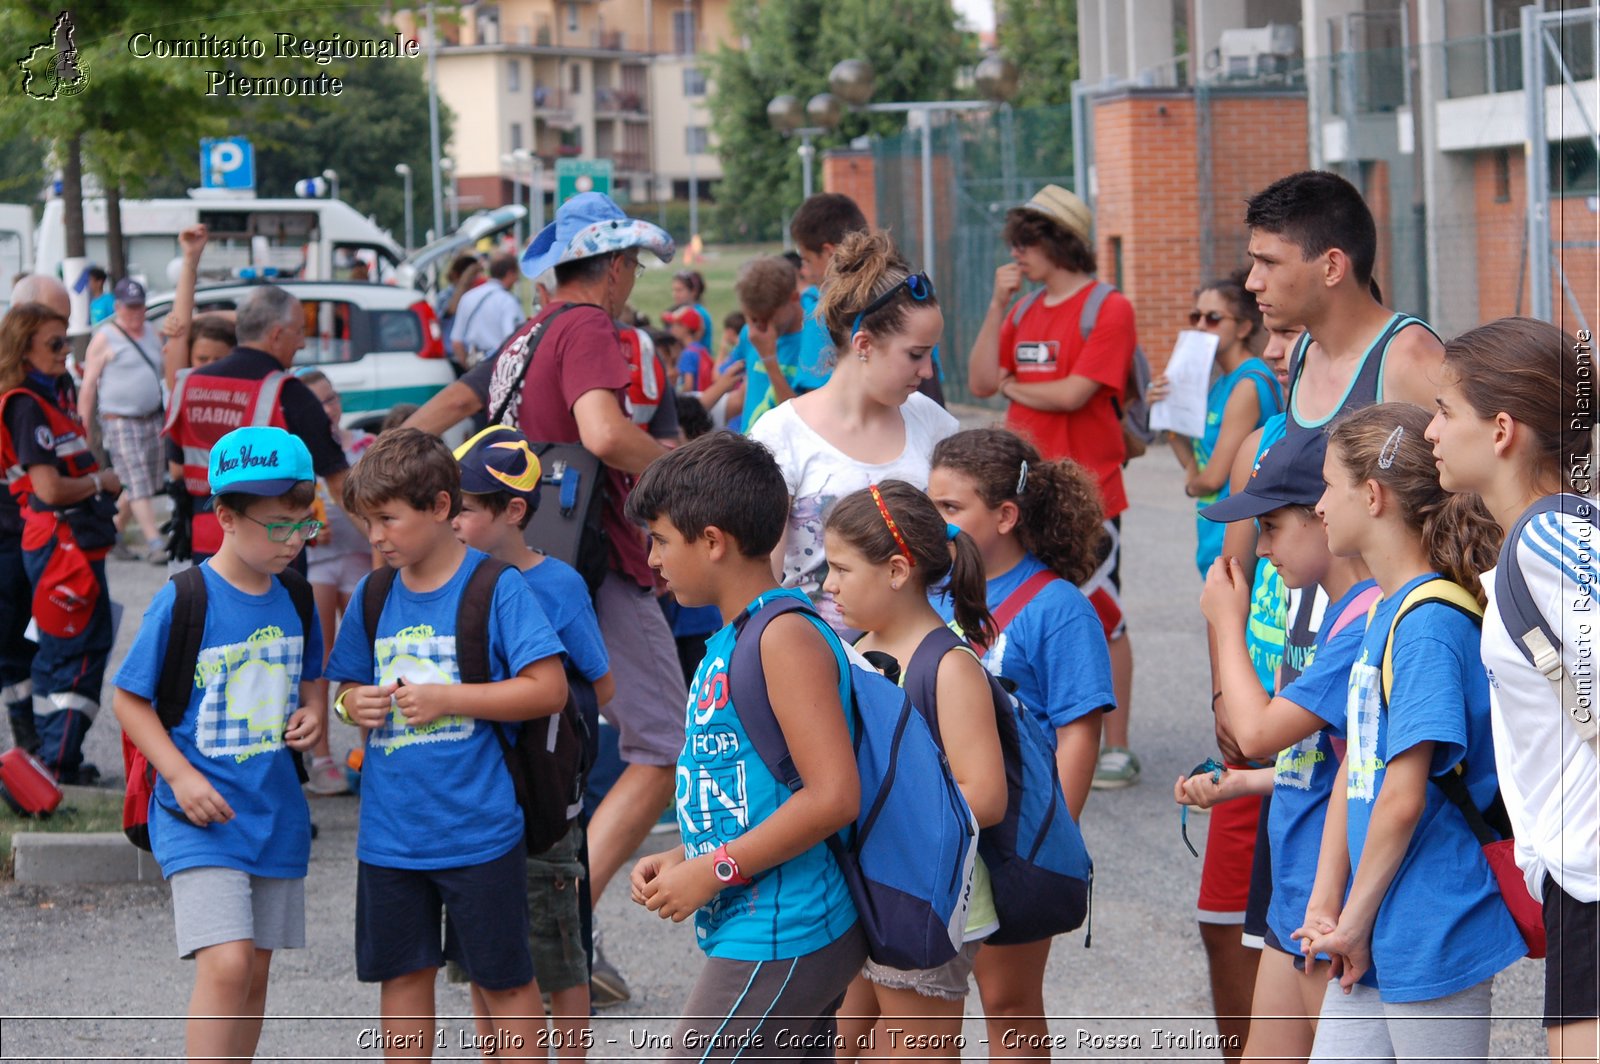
[
  {"x": 1269, "y": 599},
  {"x": 1305, "y": 772},
  {"x": 438, "y": 796},
  {"x": 816, "y": 346},
  {"x": 1054, "y": 650},
  {"x": 724, "y": 790},
  {"x": 564, "y": 597},
  {"x": 1428, "y": 941},
  {"x": 1269, "y": 400},
  {"x": 246, "y": 687},
  {"x": 758, "y": 394}
]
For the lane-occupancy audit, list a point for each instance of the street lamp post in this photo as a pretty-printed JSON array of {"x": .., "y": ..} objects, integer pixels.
[
  {"x": 510, "y": 163},
  {"x": 405, "y": 172},
  {"x": 448, "y": 165},
  {"x": 520, "y": 158}
]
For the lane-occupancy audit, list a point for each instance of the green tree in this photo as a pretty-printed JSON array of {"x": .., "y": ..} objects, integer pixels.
[
  {"x": 1041, "y": 37},
  {"x": 915, "y": 47}
]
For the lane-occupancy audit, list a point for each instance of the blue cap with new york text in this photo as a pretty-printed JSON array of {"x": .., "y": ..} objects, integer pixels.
[{"x": 259, "y": 460}]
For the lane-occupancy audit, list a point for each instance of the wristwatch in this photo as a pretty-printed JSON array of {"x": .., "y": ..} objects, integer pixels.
[{"x": 726, "y": 868}]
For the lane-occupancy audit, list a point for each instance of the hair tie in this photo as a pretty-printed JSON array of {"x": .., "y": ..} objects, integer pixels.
[
  {"x": 894, "y": 530},
  {"x": 951, "y": 531},
  {"x": 1022, "y": 479},
  {"x": 1391, "y": 447}
]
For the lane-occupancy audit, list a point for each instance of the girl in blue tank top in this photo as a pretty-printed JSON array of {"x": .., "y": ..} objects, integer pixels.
[
  {"x": 1243, "y": 395},
  {"x": 1037, "y": 525},
  {"x": 1411, "y": 896},
  {"x": 887, "y": 547}
]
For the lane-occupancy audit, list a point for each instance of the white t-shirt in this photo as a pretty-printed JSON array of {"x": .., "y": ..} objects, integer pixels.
[
  {"x": 819, "y": 474},
  {"x": 486, "y": 317},
  {"x": 1549, "y": 777}
]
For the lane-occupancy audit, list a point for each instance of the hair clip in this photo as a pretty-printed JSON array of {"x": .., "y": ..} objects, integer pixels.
[
  {"x": 1391, "y": 447},
  {"x": 1022, "y": 479},
  {"x": 951, "y": 531}
]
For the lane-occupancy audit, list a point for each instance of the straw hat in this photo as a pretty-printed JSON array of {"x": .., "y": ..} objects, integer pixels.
[{"x": 1064, "y": 208}]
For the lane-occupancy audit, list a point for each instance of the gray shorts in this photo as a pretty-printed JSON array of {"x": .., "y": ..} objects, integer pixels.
[
  {"x": 1360, "y": 1026},
  {"x": 343, "y": 571},
  {"x": 211, "y": 906},
  {"x": 948, "y": 982},
  {"x": 649, "y": 705}
]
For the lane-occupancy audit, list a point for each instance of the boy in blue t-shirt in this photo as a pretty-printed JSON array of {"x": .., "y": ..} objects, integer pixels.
[
  {"x": 770, "y": 344},
  {"x": 772, "y": 911},
  {"x": 440, "y": 824},
  {"x": 228, "y": 822},
  {"x": 500, "y": 491}
]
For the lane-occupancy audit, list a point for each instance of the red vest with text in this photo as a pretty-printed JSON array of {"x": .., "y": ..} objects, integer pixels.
[
  {"x": 204, "y": 410},
  {"x": 70, "y": 444}
]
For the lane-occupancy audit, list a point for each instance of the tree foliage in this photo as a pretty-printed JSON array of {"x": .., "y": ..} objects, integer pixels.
[
  {"x": 915, "y": 47},
  {"x": 1041, "y": 37}
]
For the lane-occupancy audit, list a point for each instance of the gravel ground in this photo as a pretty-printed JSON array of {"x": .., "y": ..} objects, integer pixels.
[{"x": 89, "y": 972}]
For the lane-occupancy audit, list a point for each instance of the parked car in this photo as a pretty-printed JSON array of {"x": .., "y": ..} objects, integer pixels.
[{"x": 379, "y": 345}]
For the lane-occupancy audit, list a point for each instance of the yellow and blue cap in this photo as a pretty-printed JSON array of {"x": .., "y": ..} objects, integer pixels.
[{"x": 500, "y": 459}]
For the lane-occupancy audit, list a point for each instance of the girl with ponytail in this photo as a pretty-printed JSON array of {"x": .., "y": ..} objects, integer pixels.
[
  {"x": 1513, "y": 426},
  {"x": 867, "y": 424},
  {"x": 1037, "y": 526},
  {"x": 887, "y": 547},
  {"x": 1417, "y": 720}
]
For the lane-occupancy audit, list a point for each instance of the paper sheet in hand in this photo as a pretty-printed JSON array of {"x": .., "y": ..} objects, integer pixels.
[{"x": 1189, "y": 376}]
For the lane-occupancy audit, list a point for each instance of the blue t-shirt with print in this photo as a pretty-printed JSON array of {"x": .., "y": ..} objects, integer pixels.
[
  {"x": 1303, "y": 779},
  {"x": 723, "y": 790},
  {"x": 438, "y": 796},
  {"x": 816, "y": 346},
  {"x": 1269, "y": 400},
  {"x": 1427, "y": 941},
  {"x": 1266, "y": 628},
  {"x": 758, "y": 394},
  {"x": 1054, "y": 650},
  {"x": 564, "y": 597},
  {"x": 246, "y": 687}
]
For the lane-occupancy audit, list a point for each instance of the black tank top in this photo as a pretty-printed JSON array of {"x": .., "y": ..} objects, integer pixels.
[{"x": 1366, "y": 385}]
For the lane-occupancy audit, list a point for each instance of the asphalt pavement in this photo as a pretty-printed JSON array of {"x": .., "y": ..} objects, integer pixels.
[{"x": 90, "y": 972}]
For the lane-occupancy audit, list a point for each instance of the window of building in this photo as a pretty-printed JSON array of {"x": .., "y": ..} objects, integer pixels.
[
  {"x": 572, "y": 18},
  {"x": 514, "y": 75},
  {"x": 516, "y": 136},
  {"x": 1573, "y": 169},
  {"x": 683, "y": 33},
  {"x": 694, "y": 81},
  {"x": 695, "y": 140},
  {"x": 575, "y": 78},
  {"x": 1502, "y": 176}
]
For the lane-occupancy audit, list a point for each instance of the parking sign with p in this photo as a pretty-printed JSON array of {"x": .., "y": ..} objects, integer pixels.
[{"x": 227, "y": 162}]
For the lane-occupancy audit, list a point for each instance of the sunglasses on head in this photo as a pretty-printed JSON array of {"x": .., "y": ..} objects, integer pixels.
[
  {"x": 917, "y": 284},
  {"x": 1210, "y": 317}
]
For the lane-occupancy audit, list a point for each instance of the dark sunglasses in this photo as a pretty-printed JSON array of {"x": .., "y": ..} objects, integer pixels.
[
  {"x": 917, "y": 284},
  {"x": 1216, "y": 768},
  {"x": 1210, "y": 317},
  {"x": 58, "y": 345}
]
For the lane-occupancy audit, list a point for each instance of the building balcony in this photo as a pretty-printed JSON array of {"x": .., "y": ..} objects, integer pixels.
[
  {"x": 631, "y": 161},
  {"x": 626, "y": 102}
]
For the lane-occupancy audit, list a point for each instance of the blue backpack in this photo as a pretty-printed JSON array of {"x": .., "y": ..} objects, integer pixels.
[
  {"x": 908, "y": 860},
  {"x": 1038, "y": 865}
]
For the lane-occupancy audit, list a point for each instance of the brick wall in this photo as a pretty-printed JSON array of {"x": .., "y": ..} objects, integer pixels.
[
  {"x": 1148, "y": 194},
  {"x": 1501, "y": 208},
  {"x": 852, "y": 173}
]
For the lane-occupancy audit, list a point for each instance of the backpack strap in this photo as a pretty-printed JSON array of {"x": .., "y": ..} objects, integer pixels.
[
  {"x": 1364, "y": 603},
  {"x": 373, "y": 595},
  {"x": 1091, "y": 307},
  {"x": 1487, "y": 825},
  {"x": 183, "y": 647},
  {"x": 1022, "y": 306},
  {"x": 1266, "y": 383},
  {"x": 514, "y": 393},
  {"x": 472, "y": 621},
  {"x": 1436, "y": 590},
  {"x": 747, "y": 686},
  {"x": 1016, "y": 602},
  {"x": 1530, "y": 630},
  {"x": 922, "y": 674}
]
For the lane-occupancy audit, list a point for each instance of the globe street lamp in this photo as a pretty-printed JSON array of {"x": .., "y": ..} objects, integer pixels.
[
  {"x": 405, "y": 172},
  {"x": 819, "y": 115}
]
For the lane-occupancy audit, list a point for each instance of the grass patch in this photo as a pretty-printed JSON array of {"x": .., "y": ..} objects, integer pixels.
[
  {"x": 652, "y": 293},
  {"x": 75, "y": 813}
]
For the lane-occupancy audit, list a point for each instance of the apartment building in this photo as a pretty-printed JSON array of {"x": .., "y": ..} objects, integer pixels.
[{"x": 531, "y": 82}]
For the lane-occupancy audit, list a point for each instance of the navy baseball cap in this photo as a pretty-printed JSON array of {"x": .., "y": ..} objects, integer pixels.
[
  {"x": 259, "y": 460},
  {"x": 500, "y": 459},
  {"x": 128, "y": 292},
  {"x": 1288, "y": 474}
]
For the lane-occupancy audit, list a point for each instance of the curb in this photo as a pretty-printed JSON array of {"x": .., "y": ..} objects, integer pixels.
[{"x": 90, "y": 857}]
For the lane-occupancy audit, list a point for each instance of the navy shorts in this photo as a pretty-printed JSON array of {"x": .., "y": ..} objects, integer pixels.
[
  {"x": 1260, "y": 897},
  {"x": 483, "y": 910},
  {"x": 1572, "y": 928}
]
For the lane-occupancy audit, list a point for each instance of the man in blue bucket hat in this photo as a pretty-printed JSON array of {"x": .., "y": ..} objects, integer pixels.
[{"x": 563, "y": 378}]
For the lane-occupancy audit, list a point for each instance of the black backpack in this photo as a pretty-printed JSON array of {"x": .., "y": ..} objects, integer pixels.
[
  {"x": 176, "y": 684},
  {"x": 569, "y": 522},
  {"x": 551, "y": 757}
]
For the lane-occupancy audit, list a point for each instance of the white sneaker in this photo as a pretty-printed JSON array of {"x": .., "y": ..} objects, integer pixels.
[{"x": 326, "y": 777}]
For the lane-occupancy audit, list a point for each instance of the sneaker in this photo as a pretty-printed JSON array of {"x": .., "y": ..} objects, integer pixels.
[
  {"x": 155, "y": 552},
  {"x": 1117, "y": 767},
  {"x": 325, "y": 777},
  {"x": 124, "y": 553},
  {"x": 85, "y": 775},
  {"x": 606, "y": 985}
]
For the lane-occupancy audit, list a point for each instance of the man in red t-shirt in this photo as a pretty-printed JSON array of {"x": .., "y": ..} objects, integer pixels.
[
  {"x": 574, "y": 389},
  {"x": 1065, "y": 394}
]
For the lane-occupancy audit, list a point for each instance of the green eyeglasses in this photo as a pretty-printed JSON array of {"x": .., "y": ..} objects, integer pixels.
[{"x": 284, "y": 531}]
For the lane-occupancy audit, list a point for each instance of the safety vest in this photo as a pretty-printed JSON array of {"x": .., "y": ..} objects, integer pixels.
[
  {"x": 204, "y": 410},
  {"x": 647, "y": 377},
  {"x": 70, "y": 444}
]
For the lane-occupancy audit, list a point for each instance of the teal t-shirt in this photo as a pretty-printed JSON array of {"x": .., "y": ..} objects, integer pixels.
[
  {"x": 1269, "y": 400},
  {"x": 758, "y": 393}
]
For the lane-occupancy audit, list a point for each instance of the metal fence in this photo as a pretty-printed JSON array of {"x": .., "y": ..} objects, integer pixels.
[{"x": 983, "y": 164}]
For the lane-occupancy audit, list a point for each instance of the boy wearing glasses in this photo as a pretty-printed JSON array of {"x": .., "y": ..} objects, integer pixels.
[{"x": 228, "y": 822}]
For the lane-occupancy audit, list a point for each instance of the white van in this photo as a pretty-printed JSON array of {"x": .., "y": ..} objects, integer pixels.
[
  {"x": 300, "y": 239},
  {"x": 16, "y": 246}
]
